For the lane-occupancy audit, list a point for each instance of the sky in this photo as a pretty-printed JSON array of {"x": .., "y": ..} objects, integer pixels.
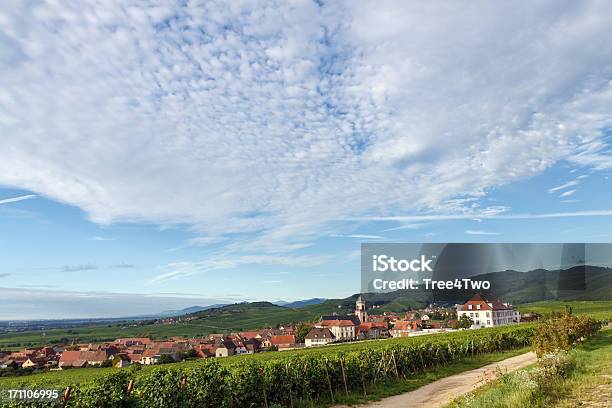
[{"x": 156, "y": 157}]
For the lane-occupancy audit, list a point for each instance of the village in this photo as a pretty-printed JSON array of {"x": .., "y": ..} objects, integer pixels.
[{"x": 477, "y": 312}]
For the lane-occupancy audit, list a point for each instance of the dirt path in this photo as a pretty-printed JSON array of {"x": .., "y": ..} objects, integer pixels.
[
  {"x": 441, "y": 392},
  {"x": 597, "y": 396}
]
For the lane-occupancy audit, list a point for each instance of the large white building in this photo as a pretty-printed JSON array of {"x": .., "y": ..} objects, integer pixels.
[{"x": 488, "y": 313}]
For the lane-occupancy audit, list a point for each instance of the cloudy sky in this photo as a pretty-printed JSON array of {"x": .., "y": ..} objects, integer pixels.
[{"x": 199, "y": 152}]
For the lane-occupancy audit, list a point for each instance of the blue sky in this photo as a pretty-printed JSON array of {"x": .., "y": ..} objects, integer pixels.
[{"x": 203, "y": 152}]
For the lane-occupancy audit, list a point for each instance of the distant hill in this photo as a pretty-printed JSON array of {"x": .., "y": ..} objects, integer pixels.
[
  {"x": 305, "y": 302},
  {"x": 187, "y": 310},
  {"x": 512, "y": 286},
  {"x": 520, "y": 288},
  {"x": 590, "y": 283}
]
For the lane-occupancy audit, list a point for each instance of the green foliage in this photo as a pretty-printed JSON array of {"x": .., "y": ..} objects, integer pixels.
[
  {"x": 109, "y": 391},
  {"x": 563, "y": 332},
  {"x": 106, "y": 363},
  {"x": 302, "y": 331},
  {"x": 165, "y": 359},
  {"x": 465, "y": 322}
]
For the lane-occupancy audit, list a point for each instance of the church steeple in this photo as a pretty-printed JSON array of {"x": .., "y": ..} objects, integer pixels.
[{"x": 360, "y": 310}]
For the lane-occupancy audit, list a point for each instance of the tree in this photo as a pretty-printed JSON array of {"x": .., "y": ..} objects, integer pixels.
[
  {"x": 191, "y": 353},
  {"x": 165, "y": 359},
  {"x": 465, "y": 322},
  {"x": 301, "y": 332},
  {"x": 107, "y": 363}
]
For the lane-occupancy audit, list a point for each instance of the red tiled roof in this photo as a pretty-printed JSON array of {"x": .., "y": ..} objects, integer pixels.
[
  {"x": 90, "y": 356},
  {"x": 135, "y": 357},
  {"x": 340, "y": 323},
  {"x": 402, "y": 325},
  {"x": 69, "y": 356},
  {"x": 283, "y": 339},
  {"x": 485, "y": 304},
  {"x": 249, "y": 334},
  {"x": 372, "y": 325}
]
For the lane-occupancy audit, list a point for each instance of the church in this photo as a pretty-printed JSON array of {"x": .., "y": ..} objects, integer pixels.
[{"x": 346, "y": 327}]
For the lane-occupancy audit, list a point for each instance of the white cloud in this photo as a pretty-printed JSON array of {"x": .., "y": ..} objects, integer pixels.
[
  {"x": 453, "y": 217},
  {"x": 358, "y": 236},
  {"x": 16, "y": 199},
  {"x": 404, "y": 227},
  {"x": 564, "y": 186},
  {"x": 480, "y": 232},
  {"x": 277, "y": 119},
  {"x": 567, "y": 193},
  {"x": 98, "y": 238},
  {"x": 178, "y": 270}
]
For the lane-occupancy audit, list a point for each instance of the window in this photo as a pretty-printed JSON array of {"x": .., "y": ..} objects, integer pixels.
[
  {"x": 470, "y": 307},
  {"x": 478, "y": 307}
]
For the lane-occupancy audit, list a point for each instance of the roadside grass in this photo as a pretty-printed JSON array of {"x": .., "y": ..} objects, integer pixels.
[{"x": 592, "y": 368}]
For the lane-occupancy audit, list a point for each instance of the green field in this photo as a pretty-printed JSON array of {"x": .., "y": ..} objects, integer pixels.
[
  {"x": 238, "y": 317},
  {"x": 596, "y": 309}
]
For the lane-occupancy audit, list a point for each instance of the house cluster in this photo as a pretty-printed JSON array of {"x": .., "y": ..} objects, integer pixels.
[
  {"x": 488, "y": 312},
  {"x": 249, "y": 342},
  {"x": 339, "y": 328},
  {"x": 329, "y": 329},
  {"x": 41, "y": 357},
  {"x": 126, "y": 351}
]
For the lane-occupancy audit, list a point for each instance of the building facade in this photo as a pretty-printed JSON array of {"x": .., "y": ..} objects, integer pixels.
[{"x": 488, "y": 313}]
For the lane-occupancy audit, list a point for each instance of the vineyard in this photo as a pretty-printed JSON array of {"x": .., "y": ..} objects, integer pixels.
[{"x": 285, "y": 379}]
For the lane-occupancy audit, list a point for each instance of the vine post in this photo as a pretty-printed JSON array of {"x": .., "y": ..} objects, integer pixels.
[
  {"x": 331, "y": 391},
  {"x": 394, "y": 364},
  {"x": 343, "y": 375},
  {"x": 290, "y": 392}
]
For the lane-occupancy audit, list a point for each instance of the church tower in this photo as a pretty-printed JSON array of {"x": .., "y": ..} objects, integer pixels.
[{"x": 360, "y": 310}]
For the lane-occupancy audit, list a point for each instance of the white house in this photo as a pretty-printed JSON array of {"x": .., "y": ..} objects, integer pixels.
[
  {"x": 343, "y": 330},
  {"x": 488, "y": 313},
  {"x": 319, "y": 337}
]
